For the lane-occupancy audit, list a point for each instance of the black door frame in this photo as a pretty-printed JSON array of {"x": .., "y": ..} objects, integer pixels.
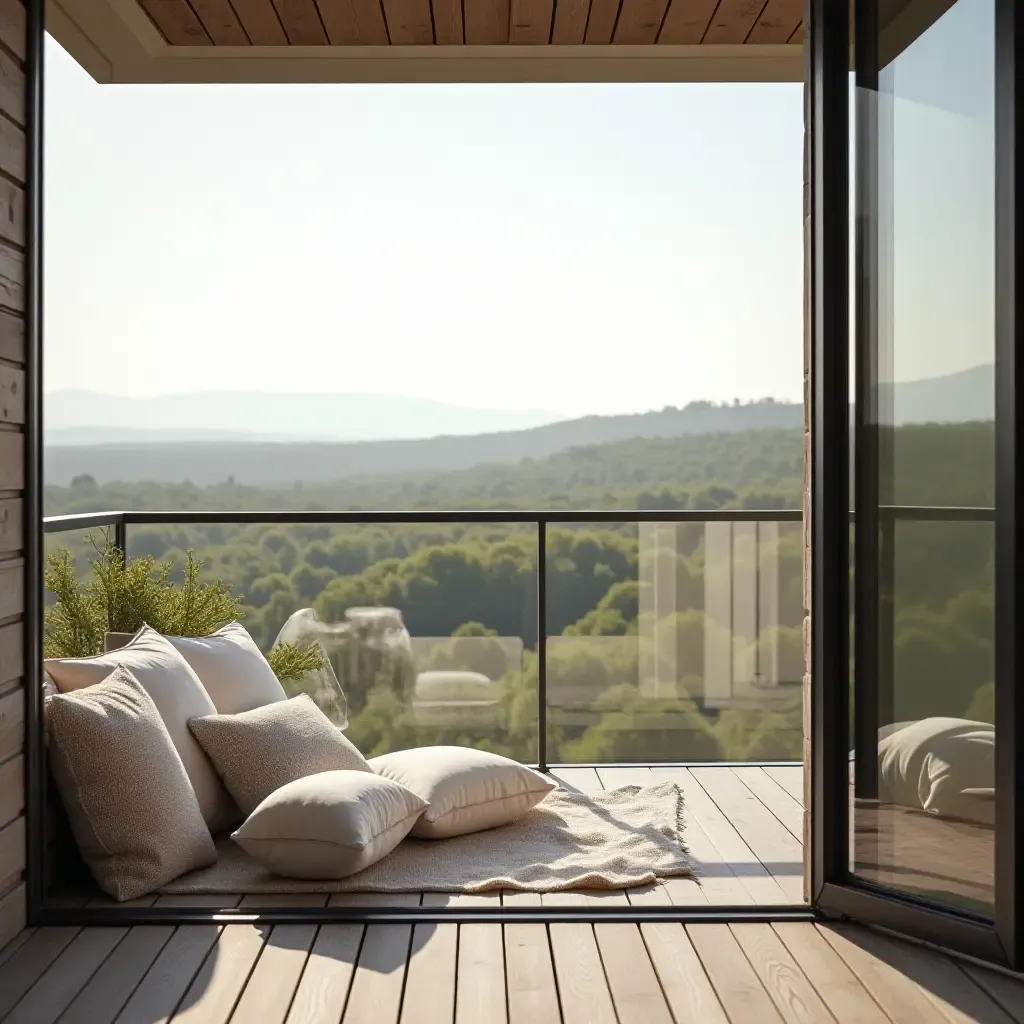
[{"x": 835, "y": 892}]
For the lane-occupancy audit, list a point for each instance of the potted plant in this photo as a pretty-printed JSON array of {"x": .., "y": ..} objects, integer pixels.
[{"x": 118, "y": 597}]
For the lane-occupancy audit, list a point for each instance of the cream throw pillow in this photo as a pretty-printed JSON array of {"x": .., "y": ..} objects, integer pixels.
[
  {"x": 231, "y": 668},
  {"x": 130, "y": 804},
  {"x": 260, "y": 751},
  {"x": 178, "y": 695},
  {"x": 468, "y": 790},
  {"x": 329, "y": 825},
  {"x": 942, "y": 765}
]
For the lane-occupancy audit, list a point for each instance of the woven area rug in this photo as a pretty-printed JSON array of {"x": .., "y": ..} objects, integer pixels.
[{"x": 605, "y": 840}]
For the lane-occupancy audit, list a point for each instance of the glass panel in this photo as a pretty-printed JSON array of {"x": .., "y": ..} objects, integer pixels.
[
  {"x": 675, "y": 641},
  {"x": 924, "y": 670},
  {"x": 429, "y": 630}
]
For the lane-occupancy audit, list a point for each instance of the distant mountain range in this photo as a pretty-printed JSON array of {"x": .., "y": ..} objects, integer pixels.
[
  {"x": 206, "y": 454},
  {"x": 88, "y": 417}
]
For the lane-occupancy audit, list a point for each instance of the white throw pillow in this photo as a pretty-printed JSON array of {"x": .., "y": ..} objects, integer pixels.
[
  {"x": 231, "y": 668},
  {"x": 178, "y": 695},
  {"x": 329, "y": 825},
  {"x": 468, "y": 790}
]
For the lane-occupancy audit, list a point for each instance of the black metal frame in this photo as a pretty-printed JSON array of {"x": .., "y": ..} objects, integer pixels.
[
  {"x": 35, "y": 752},
  {"x": 836, "y": 892}
]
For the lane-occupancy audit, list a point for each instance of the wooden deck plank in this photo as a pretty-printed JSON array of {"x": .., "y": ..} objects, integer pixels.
[
  {"x": 461, "y": 899},
  {"x": 106, "y": 993},
  {"x": 376, "y": 993},
  {"x": 794, "y": 996},
  {"x": 165, "y": 983},
  {"x": 688, "y": 991},
  {"x": 790, "y": 777},
  {"x": 732, "y": 852},
  {"x": 582, "y": 984},
  {"x": 50, "y": 996},
  {"x": 649, "y": 895},
  {"x": 12, "y": 947},
  {"x": 324, "y": 986},
  {"x": 896, "y": 994},
  {"x": 688, "y": 892},
  {"x": 30, "y": 962},
  {"x": 219, "y": 982},
  {"x": 632, "y": 980},
  {"x": 580, "y": 780},
  {"x": 740, "y": 992},
  {"x": 481, "y": 975},
  {"x": 530, "y": 977},
  {"x": 615, "y": 778},
  {"x": 775, "y": 798},
  {"x": 847, "y": 999},
  {"x": 716, "y": 878},
  {"x": 513, "y": 898},
  {"x": 268, "y": 992},
  {"x": 767, "y": 838},
  {"x": 954, "y": 996},
  {"x": 431, "y": 975}
]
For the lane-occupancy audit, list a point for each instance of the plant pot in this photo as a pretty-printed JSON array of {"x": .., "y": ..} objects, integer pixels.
[{"x": 115, "y": 641}]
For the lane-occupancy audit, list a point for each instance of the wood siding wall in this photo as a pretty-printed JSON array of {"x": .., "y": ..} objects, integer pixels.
[{"x": 13, "y": 93}]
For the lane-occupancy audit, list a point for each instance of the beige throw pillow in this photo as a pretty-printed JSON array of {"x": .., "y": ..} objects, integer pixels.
[
  {"x": 178, "y": 695},
  {"x": 329, "y": 825},
  {"x": 130, "y": 804},
  {"x": 468, "y": 790},
  {"x": 259, "y": 751},
  {"x": 231, "y": 668}
]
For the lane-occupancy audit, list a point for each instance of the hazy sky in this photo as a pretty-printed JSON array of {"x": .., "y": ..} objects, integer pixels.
[
  {"x": 569, "y": 248},
  {"x": 572, "y": 248}
]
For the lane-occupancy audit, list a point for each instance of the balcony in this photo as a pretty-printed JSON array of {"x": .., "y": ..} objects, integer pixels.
[{"x": 524, "y": 687}]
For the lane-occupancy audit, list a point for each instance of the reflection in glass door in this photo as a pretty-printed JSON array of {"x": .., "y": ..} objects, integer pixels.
[
  {"x": 923, "y": 778},
  {"x": 916, "y": 810}
]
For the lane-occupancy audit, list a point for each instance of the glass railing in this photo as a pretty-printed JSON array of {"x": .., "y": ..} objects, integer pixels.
[{"x": 555, "y": 637}]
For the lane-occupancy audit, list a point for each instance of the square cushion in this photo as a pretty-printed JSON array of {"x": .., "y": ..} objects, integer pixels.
[
  {"x": 231, "y": 668},
  {"x": 329, "y": 825},
  {"x": 178, "y": 695},
  {"x": 468, "y": 790},
  {"x": 260, "y": 751},
  {"x": 130, "y": 804}
]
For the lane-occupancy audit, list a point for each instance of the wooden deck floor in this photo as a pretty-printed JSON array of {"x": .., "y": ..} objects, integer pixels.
[
  {"x": 744, "y": 831},
  {"x": 565, "y": 973},
  {"x": 743, "y": 826}
]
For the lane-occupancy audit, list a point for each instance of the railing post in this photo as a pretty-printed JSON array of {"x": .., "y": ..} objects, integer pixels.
[
  {"x": 121, "y": 536},
  {"x": 542, "y": 645}
]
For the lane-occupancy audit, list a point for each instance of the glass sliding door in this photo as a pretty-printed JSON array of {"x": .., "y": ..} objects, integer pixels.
[{"x": 915, "y": 595}]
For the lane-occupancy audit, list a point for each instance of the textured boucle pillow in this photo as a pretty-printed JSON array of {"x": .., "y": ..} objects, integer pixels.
[
  {"x": 260, "y": 751},
  {"x": 178, "y": 695},
  {"x": 130, "y": 804}
]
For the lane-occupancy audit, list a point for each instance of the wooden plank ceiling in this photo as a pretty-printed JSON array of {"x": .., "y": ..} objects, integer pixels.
[{"x": 475, "y": 22}]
